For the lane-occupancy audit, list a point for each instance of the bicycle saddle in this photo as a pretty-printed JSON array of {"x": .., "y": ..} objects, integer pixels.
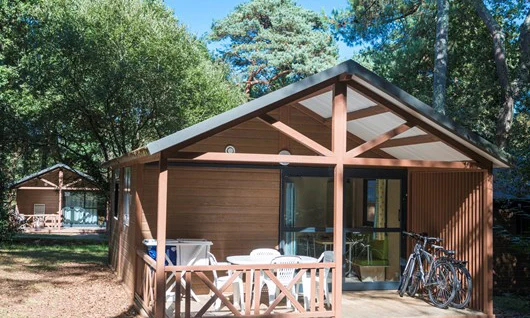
[{"x": 448, "y": 252}]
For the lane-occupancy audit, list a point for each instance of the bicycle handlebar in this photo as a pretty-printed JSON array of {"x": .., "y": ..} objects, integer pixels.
[{"x": 423, "y": 237}]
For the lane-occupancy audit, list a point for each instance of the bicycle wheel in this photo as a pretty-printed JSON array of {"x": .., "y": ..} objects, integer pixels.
[
  {"x": 405, "y": 278},
  {"x": 442, "y": 287},
  {"x": 465, "y": 286},
  {"x": 414, "y": 285}
]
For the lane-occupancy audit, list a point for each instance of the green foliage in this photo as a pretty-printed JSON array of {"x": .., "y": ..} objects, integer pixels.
[
  {"x": 272, "y": 43},
  {"x": 401, "y": 38},
  {"x": 99, "y": 78}
]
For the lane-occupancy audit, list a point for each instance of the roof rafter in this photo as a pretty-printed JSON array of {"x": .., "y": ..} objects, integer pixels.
[
  {"x": 409, "y": 141},
  {"x": 370, "y": 144},
  {"x": 297, "y": 136},
  {"x": 326, "y": 123}
]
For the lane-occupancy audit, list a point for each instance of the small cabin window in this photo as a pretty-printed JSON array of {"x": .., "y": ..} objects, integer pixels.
[
  {"x": 126, "y": 194},
  {"x": 39, "y": 209},
  {"x": 116, "y": 173}
]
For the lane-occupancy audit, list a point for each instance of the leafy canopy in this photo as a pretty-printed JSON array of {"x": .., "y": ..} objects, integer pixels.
[
  {"x": 102, "y": 77},
  {"x": 272, "y": 43}
]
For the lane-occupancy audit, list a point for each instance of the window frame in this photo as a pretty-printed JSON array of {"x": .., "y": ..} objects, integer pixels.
[
  {"x": 40, "y": 205},
  {"x": 127, "y": 195}
]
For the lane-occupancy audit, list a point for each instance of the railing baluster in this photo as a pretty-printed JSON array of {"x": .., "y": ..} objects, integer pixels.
[
  {"x": 177, "y": 294},
  {"x": 257, "y": 294},
  {"x": 313, "y": 289},
  {"x": 248, "y": 283},
  {"x": 188, "y": 294},
  {"x": 321, "y": 306}
]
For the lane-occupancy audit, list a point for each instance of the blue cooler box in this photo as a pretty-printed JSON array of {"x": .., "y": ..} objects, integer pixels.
[{"x": 171, "y": 251}]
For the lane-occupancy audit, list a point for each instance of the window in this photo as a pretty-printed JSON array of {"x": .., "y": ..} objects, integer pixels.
[
  {"x": 116, "y": 199},
  {"x": 39, "y": 209},
  {"x": 370, "y": 201},
  {"x": 83, "y": 207},
  {"x": 126, "y": 194}
]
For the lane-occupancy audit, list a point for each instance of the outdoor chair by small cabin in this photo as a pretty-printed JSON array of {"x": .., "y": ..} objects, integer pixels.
[
  {"x": 341, "y": 161},
  {"x": 58, "y": 198}
]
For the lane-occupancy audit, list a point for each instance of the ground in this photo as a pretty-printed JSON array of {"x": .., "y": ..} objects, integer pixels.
[{"x": 59, "y": 277}]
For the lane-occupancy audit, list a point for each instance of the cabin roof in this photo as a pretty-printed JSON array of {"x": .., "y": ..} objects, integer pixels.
[
  {"x": 367, "y": 79},
  {"x": 50, "y": 169}
]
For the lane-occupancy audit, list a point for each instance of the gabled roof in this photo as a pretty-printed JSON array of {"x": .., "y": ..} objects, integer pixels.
[
  {"x": 50, "y": 169},
  {"x": 359, "y": 74}
]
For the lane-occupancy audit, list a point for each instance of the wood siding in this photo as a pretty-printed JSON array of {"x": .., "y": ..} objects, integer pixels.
[
  {"x": 237, "y": 209},
  {"x": 452, "y": 205},
  {"x": 122, "y": 237},
  {"x": 27, "y": 198}
]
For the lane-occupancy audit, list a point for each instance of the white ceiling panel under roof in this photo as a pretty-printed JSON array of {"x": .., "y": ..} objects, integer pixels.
[
  {"x": 414, "y": 131},
  {"x": 429, "y": 151},
  {"x": 368, "y": 128},
  {"x": 321, "y": 104}
]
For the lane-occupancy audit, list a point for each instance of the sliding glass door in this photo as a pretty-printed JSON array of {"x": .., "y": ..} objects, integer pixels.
[{"x": 374, "y": 211}]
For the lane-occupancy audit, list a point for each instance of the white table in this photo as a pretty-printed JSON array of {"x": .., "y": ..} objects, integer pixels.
[{"x": 263, "y": 260}]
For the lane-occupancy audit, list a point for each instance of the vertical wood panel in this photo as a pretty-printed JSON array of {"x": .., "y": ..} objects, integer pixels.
[{"x": 454, "y": 205}]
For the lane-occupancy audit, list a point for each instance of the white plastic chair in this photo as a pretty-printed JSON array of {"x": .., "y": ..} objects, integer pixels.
[
  {"x": 265, "y": 252},
  {"x": 284, "y": 275},
  {"x": 326, "y": 257},
  {"x": 237, "y": 285}
]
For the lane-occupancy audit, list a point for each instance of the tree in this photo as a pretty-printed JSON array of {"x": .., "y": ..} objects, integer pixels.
[
  {"x": 377, "y": 22},
  {"x": 513, "y": 82},
  {"x": 272, "y": 43},
  {"x": 104, "y": 77},
  {"x": 440, "y": 56}
]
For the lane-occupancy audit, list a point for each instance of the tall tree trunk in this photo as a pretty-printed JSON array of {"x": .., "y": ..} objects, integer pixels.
[
  {"x": 509, "y": 90},
  {"x": 440, "y": 56}
]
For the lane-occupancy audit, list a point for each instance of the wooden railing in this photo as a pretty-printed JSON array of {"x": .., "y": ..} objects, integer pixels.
[
  {"x": 251, "y": 276},
  {"x": 42, "y": 220},
  {"x": 145, "y": 291}
]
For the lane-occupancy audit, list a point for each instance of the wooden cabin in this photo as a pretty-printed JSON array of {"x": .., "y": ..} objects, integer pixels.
[
  {"x": 60, "y": 197},
  {"x": 342, "y": 160}
]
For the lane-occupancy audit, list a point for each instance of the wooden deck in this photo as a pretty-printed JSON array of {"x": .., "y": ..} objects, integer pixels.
[
  {"x": 387, "y": 303},
  {"x": 361, "y": 304}
]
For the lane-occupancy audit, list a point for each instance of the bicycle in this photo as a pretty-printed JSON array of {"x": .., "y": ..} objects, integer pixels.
[
  {"x": 463, "y": 278},
  {"x": 436, "y": 280}
]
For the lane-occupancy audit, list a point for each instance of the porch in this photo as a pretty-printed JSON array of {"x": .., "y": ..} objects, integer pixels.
[{"x": 362, "y": 304}]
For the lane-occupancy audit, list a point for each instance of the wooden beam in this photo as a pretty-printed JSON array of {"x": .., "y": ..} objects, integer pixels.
[
  {"x": 161, "y": 219},
  {"x": 327, "y": 123},
  {"x": 60, "y": 186},
  {"x": 367, "y": 112},
  {"x": 250, "y": 158},
  {"x": 72, "y": 183},
  {"x": 80, "y": 189},
  {"x": 37, "y": 188},
  {"x": 408, "y": 141},
  {"x": 48, "y": 182},
  {"x": 376, "y": 98},
  {"x": 338, "y": 142},
  {"x": 370, "y": 144},
  {"x": 487, "y": 237},
  {"x": 404, "y": 163},
  {"x": 297, "y": 136}
]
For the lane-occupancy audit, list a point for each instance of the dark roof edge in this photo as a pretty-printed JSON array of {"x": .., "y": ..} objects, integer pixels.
[
  {"x": 247, "y": 108},
  {"x": 50, "y": 169},
  {"x": 348, "y": 67}
]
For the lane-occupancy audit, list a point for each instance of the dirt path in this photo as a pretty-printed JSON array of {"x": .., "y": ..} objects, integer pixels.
[{"x": 59, "y": 283}]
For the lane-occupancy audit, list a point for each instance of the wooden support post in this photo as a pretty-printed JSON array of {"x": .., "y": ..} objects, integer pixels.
[
  {"x": 338, "y": 132},
  {"x": 161, "y": 220},
  {"x": 488, "y": 243},
  {"x": 60, "y": 187}
]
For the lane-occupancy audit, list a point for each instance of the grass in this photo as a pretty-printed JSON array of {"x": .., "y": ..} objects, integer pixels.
[{"x": 46, "y": 253}]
